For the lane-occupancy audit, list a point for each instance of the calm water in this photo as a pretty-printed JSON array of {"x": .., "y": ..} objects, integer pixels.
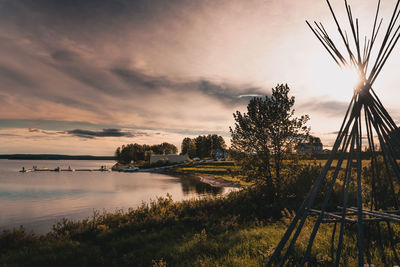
[{"x": 38, "y": 199}]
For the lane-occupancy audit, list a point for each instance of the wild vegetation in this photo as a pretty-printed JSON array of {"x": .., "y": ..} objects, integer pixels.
[{"x": 240, "y": 229}]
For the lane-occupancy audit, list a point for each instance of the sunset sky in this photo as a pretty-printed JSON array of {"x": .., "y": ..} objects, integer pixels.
[{"x": 83, "y": 77}]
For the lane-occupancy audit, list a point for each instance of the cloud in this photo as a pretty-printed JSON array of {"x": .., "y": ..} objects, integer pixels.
[
  {"x": 15, "y": 76},
  {"x": 34, "y": 130},
  {"x": 64, "y": 56},
  {"x": 103, "y": 133},
  {"x": 331, "y": 108},
  {"x": 249, "y": 96},
  {"x": 177, "y": 67},
  {"x": 117, "y": 63},
  {"x": 138, "y": 80},
  {"x": 227, "y": 94},
  {"x": 9, "y": 135}
]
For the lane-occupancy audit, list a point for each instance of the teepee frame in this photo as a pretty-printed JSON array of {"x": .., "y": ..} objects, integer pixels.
[{"x": 365, "y": 107}]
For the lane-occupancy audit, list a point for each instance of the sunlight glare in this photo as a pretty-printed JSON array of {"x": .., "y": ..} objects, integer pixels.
[
  {"x": 350, "y": 77},
  {"x": 334, "y": 81}
]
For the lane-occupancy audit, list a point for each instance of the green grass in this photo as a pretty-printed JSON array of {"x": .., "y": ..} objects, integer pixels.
[
  {"x": 187, "y": 233},
  {"x": 237, "y": 230},
  {"x": 240, "y": 229}
]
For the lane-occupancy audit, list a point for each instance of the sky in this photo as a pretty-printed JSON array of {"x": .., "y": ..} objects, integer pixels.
[{"x": 84, "y": 77}]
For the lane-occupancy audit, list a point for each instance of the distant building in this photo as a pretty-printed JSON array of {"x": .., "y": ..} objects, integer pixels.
[
  {"x": 220, "y": 154},
  {"x": 171, "y": 158},
  {"x": 315, "y": 148},
  {"x": 326, "y": 151}
]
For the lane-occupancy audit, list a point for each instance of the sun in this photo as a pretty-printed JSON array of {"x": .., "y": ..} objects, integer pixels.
[
  {"x": 330, "y": 80},
  {"x": 350, "y": 77}
]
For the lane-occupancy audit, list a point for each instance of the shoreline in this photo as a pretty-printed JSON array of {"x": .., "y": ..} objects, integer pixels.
[
  {"x": 216, "y": 182},
  {"x": 207, "y": 179},
  {"x": 204, "y": 178}
]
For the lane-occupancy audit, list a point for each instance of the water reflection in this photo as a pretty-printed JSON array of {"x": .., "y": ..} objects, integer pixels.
[
  {"x": 38, "y": 199},
  {"x": 192, "y": 184}
]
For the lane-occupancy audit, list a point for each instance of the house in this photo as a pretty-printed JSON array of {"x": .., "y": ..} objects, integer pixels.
[
  {"x": 314, "y": 148},
  {"x": 171, "y": 158},
  {"x": 220, "y": 154}
]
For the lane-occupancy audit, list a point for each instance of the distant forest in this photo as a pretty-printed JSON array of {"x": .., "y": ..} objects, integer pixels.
[
  {"x": 203, "y": 146},
  {"x": 136, "y": 152}
]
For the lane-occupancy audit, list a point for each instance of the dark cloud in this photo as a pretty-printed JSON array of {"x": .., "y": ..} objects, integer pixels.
[
  {"x": 87, "y": 19},
  {"x": 59, "y": 127},
  {"x": 85, "y": 72},
  {"x": 331, "y": 108},
  {"x": 73, "y": 33},
  {"x": 64, "y": 55},
  {"x": 228, "y": 94},
  {"x": 16, "y": 77},
  {"x": 9, "y": 135},
  {"x": 51, "y": 125},
  {"x": 81, "y": 55},
  {"x": 225, "y": 93},
  {"x": 138, "y": 80},
  {"x": 88, "y": 60},
  {"x": 34, "y": 130},
  {"x": 103, "y": 133}
]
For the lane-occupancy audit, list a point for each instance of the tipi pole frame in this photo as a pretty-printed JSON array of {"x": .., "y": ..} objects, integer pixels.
[{"x": 348, "y": 144}]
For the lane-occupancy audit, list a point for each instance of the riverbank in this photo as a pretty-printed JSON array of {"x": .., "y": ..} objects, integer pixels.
[
  {"x": 145, "y": 166},
  {"x": 215, "y": 182},
  {"x": 198, "y": 232},
  {"x": 215, "y": 173},
  {"x": 240, "y": 229}
]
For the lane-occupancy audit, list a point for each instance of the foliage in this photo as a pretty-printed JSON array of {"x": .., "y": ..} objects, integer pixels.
[
  {"x": 265, "y": 134},
  {"x": 188, "y": 147},
  {"x": 203, "y": 146},
  {"x": 240, "y": 229},
  {"x": 309, "y": 144},
  {"x": 178, "y": 232},
  {"x": 136, "y": 152}
]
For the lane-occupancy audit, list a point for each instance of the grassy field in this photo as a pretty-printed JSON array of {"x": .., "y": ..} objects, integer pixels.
[
  {"x": 240, "y": 229},
  {"x": 237, "y": 230}
]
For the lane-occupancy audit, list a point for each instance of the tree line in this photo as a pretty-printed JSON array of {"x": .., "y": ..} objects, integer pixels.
[
  {"x": 136, "y": 152},
  {"x": 203, "y": 146}
]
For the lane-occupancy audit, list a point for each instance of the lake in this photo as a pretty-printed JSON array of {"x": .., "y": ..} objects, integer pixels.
[{"x": 37, "y": 200}]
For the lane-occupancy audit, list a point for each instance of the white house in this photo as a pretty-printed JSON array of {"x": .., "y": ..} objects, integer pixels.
[{"x": 315, "y": 148}]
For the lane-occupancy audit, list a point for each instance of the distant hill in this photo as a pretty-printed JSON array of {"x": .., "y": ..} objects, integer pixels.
[{"x": 54, "y": 157}]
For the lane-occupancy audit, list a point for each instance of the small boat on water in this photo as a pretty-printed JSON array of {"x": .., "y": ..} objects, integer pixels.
[{"x": 26, "y": 170}]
